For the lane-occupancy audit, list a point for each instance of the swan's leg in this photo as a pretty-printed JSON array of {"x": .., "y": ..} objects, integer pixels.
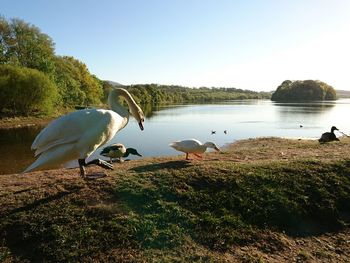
[
  {"x": 198, "y": 155},
  {"x": 101, "y": 163},
  {"x": 187, "y": 156},
  {"x": 82, "y": 163}
]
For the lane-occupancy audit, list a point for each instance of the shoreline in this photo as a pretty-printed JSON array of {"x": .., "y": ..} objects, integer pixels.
[
  {"x": 170, "y": 209},
  {"x": 22, "y": 122},
  {"x": 259, "y": 149}
]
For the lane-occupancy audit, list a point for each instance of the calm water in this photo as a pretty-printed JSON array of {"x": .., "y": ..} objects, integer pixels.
[{"x": 241, "y": 119}]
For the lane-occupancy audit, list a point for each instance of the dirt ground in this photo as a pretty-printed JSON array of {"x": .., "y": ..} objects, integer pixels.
[{"x": 329, "y": 247}]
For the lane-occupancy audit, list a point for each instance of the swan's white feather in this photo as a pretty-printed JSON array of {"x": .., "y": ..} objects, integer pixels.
[
  {"x": 75, "y": 135},
  {"x": 54, "y": 157},
  {"x": 78, "y": 134}
]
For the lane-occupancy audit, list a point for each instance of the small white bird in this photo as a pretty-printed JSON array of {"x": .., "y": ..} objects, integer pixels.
[
  {"x": 118, "y": 150},
  {"x": 193, "y": 146},
  {"x": 78, "y": 134}
]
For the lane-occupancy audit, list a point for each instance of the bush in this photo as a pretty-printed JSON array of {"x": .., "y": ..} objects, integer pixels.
[{"x": 25, "y": 91}]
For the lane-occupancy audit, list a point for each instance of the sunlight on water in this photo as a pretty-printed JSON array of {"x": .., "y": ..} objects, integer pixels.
[{"x": 241, "y": 119}]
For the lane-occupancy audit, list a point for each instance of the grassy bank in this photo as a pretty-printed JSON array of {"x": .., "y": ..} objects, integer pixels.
[
  {"x": 19, "y": 122},
  {"x": 259, "y": 200},
  {"x": 26, "y": 121}
]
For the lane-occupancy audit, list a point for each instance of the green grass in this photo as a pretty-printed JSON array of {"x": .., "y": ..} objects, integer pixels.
[{"x": 156, "y": 212}]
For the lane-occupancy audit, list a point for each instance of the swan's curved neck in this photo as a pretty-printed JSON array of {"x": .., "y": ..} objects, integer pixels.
[
  {"x": 206, "y": 145},
  {"x": 114, "y": 104}
]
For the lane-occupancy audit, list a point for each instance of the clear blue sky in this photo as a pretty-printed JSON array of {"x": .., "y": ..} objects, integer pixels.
[{"x": 244, "y": 44}]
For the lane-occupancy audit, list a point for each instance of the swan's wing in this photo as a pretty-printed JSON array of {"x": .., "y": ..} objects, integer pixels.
[
  {"x": 73, "y": 127},
  {"x": 59, "y": 131}
]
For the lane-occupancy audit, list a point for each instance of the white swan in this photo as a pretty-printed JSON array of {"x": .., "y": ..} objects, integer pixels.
[
  {"x": 118, "y": 150},
  {"x": 78, "y": 134},
  {"x": 193, "y": 146}
]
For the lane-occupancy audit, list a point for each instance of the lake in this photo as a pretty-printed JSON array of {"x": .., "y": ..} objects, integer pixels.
[{"x": 241, "y": 119}]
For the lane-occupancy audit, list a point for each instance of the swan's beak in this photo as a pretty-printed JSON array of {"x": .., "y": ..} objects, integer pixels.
[
  {"x": 141, "y": 125},
  {"x": 217, "y": 149}
]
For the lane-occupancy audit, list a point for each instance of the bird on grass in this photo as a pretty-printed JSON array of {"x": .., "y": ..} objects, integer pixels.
[
  {"x": 77, "y": 135},
  {"x": 193, "y": 146},
  {"x": 118, "y": 150},
  {"x": 329, "y": 136}
]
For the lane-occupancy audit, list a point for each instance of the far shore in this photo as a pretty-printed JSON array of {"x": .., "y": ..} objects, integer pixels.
[{"x": 21, "y": 122}]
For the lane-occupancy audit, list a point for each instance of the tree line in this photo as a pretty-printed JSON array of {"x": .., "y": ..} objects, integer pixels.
[
  {"x": 36, "y": 81},
  {"x": 304, "y": 90},
  {"x": 164, "y": 94}
]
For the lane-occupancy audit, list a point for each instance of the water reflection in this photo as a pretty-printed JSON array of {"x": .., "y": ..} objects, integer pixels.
[
  {"x": 151, "y": 111},
  {"x": 15, "y": 152},
  {"x": 303, "y": 115},
  {"x": 164, "y": 124},
  {"x": 148, "y": 110},
  {"x": 312, "y": 108},
  {"x": 317, "y": 104}
]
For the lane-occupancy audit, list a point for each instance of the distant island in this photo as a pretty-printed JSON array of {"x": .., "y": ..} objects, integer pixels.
[{"x": 304, "y": 90}]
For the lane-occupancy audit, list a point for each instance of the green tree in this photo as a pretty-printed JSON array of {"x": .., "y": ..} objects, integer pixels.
[
  {"x": 25, "y": 45},
  {"x": 66, "y": 79},
  {"x": 107, "y": 87},
  {"x": 25, "y": 91},
  {"x": 88, "y": 84}
]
